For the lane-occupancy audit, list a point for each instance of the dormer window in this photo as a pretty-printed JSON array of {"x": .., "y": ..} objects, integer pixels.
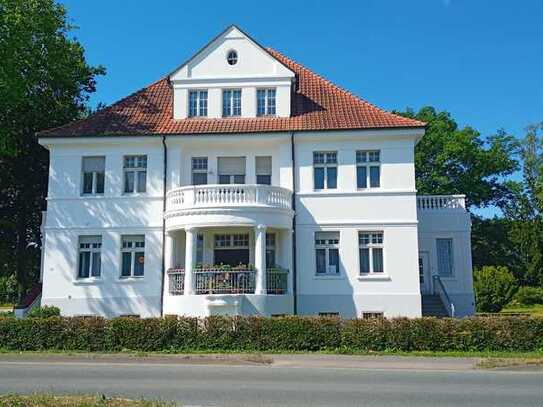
[
  {"x": 232, "y": 57},
  {"x": 265, "y": 100},
  {"x": 198, "y": 103},
  {"x": 231, "y": 102}
]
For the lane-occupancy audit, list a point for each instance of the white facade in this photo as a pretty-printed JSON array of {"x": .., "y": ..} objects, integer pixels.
[{"x": 159, "y": 248}]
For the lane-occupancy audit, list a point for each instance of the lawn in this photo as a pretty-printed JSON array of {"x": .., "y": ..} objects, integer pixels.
[
  {"x": 45, "y": 400},
  {"x": 535, "y": 310}
]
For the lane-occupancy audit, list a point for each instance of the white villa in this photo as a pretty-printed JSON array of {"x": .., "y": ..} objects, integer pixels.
[{"x": 242, "y": 183}]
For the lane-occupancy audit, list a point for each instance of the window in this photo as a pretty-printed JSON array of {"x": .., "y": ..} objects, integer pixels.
[
  {"x": 325, "y": 170},
  {"x": 198, "y": 103},
  {"x": 270, "y": 250},
  {"x": 265, "y": 102},
  {"x": 327, "y": 252},
  {"x": 235, "y": 241},
  {"x": 371, "y": 252},
  {"x": 231, "y": 102},
  {"x": 133, "y": 256},
  {"x": 372, "y": 315},
  {"x": 199, "y": 170},
  {"x": 263, "y": 170},
  {"x": 199, "y": 248},
  {"x": 93, "y": 175},
  {"x": 232, "y": 57},
  {"x": 368, "y": 170},
  {"x": 329, "y": 314},
  {"x": 231, "y": 170},
  {"x": 90, "y": 259},
  {"x": 135, "y": 173},
  {"x": 445, "y": 266}
]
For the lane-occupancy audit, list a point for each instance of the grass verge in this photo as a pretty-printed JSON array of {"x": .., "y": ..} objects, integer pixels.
[
  {"x": 535, "y": 310},
  {"x": 496, "y": 363},
  {"x": 47, "y": 400}
]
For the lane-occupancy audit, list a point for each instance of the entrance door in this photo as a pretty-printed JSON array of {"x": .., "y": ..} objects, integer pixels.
[{"x": 424, "y": 273}]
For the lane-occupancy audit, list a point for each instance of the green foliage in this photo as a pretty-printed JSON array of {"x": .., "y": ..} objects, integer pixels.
[
  {"x": 453, "y": 160},
  {"x": 494, "y": 287},
  {"x": 528, "y": 296},
  {"x": 46, "y": 311},
  {"x": 258, "y": 334},
  {"x": 45, "y": 82}
]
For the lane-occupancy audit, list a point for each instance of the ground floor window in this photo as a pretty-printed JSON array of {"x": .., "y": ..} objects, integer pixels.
[
  {"x": 270, "y": 250},
  {"x": 372, "y": 315},
  {"x": 231, "y": 249},
  {"x": 133, "y": 256},
  {"x": 90, "y": 257},
  {"x": 371, "y": 252},
  {"x": 327, "y": 252}
]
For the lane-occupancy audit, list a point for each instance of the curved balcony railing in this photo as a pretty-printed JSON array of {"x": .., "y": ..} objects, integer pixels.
[
  {"x": 209, "y": 196},
  {"x": 217, "y": 281}
]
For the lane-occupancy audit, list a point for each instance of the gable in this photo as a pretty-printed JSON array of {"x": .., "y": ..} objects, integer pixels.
[{"x": 211, "y": 62}]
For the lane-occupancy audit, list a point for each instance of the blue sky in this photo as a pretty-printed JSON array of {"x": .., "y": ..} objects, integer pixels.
[{"x": 480, "y": 60}]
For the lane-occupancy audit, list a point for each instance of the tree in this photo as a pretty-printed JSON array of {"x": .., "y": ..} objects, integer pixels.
[
  {"x": 45, "y": 82},
  {"x": 494, "y": 287},
  {"x": 453, "y": 160}
]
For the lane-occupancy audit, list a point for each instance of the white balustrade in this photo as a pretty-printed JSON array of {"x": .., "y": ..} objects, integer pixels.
[
  {"x": 206, "y": 196},
  {"x": 437, "y": 202}
]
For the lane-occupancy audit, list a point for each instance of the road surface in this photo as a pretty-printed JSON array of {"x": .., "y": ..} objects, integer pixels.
[{"x": 274, "y": 385}]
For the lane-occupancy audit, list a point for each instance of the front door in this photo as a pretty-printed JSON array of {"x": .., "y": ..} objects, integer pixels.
[{"x": 424, "y": 273}]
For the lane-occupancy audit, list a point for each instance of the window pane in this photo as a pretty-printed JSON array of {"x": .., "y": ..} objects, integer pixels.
[
  {"x": 139, "y": 260},
  {"x": 377, "y": 260},
  {"x": 96, "y": 264},
  {"x": 236, "y": 108},
  {"x": 261, "y": 102},
  {"x": 364, "y": 261},
  {"x": 203, "y": 103},
  {"x": 444, "y": 257},
  {"x": 142, "y": 180},
  {"x": 239, "y": 179},
  {"x": 84, "y": 264},
  {"x": 319, "y": 178},
  {"x": 375, "y": 177},
  {"x": 199, "y": 249},
  {"x": 271, "y": 101},
  {"x": 193, "y": 100},
  {"x": 87, "y": 183},
  {"x": 125, "y": 271},
  {"x": 226, "y": 103},
  {"x": 263, "y": 179},
  {"x": 270, "y": 258},
  {"x": 99, "y": 182},
  {"x": 361, "y": 181},
  {"x": 333, "y": 260},
  {"x": 321, "y": 261},
  {"x": 129, "y": 181},
  {"x": 199, "y": 178},
  {"x": 224, "y": 179},
  {"x": 331, "y": 179}
]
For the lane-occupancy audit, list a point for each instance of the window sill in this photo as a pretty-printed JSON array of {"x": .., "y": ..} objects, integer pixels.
[
  {"x": 374, "y": 277},
  {"x": 328, "y": 277},
  {"x": 87, "y": 281},
  {"x": 130, "y": 280}
]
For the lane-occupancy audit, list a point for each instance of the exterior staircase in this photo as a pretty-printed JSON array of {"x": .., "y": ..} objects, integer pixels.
[
  {"x": 30, "y": 300},
  {"x": 432, "y": 306}
]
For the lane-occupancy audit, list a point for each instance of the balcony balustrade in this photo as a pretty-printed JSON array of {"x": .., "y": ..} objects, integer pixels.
[{"x": 441, "y": 202}]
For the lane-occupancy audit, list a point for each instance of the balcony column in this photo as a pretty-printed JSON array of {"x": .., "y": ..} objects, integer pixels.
[
  {"x": 260, "y": 259},
  {"x": 190, "y": 258}
]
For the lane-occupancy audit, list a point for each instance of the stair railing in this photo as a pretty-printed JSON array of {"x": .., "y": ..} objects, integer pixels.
[{"x": 442, "y": 292}]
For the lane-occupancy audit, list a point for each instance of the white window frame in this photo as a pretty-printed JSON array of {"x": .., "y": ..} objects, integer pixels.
[
  {"x": 257, "y": 172},
  {"x": 376, "y": 241},
  {"x": 94, "y": 177},
  {"x": 136, "y": 169},
  {"x": 368, "y": 159},
  {"x": 270, "y": 109},
  {"x": 230, "y": 111},
  {"x": 89, "y": 244},
  {"x": 137, "y": 245},
  {"x": 326, "y": 163},
  {"x": 327, "y": 244},
  {"x": 372, "y": 315},
  {"x": 199, "y": 170},
  {"x": 452, "y": 274},
  {"x": 201, "y": 96},
  {"x": 232, "y": 240}
]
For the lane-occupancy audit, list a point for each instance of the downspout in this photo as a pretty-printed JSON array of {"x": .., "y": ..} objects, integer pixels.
[
  {"x": 164, "y": 184},
  {"x": 294, "y": 269}
]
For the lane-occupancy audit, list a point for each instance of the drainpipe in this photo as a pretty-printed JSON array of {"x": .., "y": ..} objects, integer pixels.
[
  {"x": 164, "y": 185},
  {"x": 294, "y": 269}
]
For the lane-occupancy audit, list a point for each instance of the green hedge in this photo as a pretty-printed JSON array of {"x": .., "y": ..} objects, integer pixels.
[{"x": 272, "y": 334}]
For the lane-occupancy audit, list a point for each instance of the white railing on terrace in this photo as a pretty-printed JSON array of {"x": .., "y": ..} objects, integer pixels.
[
  {"x": 436, "y": 202},
  {"x": 228, "y": 195}
]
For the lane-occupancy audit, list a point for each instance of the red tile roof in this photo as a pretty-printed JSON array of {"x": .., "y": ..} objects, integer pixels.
[{"x": 317, "y": 104}]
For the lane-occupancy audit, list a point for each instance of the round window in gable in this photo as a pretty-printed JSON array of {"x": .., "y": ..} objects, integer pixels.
[{"x": 232, "y": 57}]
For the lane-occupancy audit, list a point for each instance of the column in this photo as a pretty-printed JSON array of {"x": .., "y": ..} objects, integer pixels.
[
  {"x": 190, "y": 259},
  {"x": 260, "y": 259}
]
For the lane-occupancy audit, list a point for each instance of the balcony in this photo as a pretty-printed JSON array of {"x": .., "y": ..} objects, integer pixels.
[
  {"x": 441, "y": 202},
  {"x": 224, "y": 205}
]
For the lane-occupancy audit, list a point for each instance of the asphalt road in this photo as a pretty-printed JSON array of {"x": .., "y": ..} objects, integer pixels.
[{"x": 223, "y": 385}]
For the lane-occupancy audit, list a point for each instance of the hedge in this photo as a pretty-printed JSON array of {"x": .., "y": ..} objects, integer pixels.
[{"x": 271, "y": 334}]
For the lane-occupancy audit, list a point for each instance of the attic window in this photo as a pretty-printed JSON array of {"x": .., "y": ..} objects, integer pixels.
[{"x": 232, "y": 57}]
